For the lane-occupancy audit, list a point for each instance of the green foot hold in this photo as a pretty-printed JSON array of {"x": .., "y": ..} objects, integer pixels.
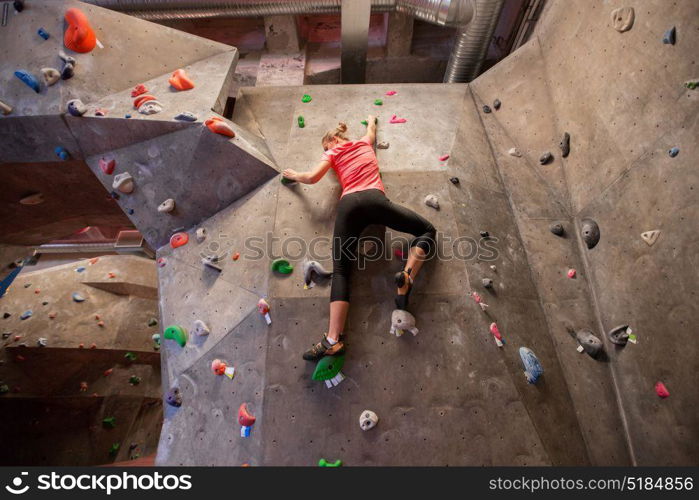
[
  {"x": 378, "y": 102},
  {"x": 130, "y": 356},
  {"x": 286, "y": 182},
  {"x": 324, "y": 463},
  {"x": 306, "y": 98},
  {"x": 114, "y": 449},
  {"x": 134, "y": 380},
  {"x": 4, "y": 388},
  {"x": 302, "y": 122},
  {"x": 176, "y": 333},
  {"x": 364, "y": 122},
  {"x": 328, "y": 367},
  {"x": 282, "y": 266},
  {"x": 109, "y": 422}
]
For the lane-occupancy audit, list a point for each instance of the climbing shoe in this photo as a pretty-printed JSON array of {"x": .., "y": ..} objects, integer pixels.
[
  {"x": 401, "y": 278},
  {"x": 324, "y": 348}
]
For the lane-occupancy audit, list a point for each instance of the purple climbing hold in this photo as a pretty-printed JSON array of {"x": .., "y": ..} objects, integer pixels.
[
  {"x": 26, "y": 314},
  {"x": 173, "y": 397}
]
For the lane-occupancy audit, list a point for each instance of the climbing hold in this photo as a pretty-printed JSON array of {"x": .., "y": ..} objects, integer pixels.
[
  {"x": 138, "y": 90},
  {"x": 179, "y": 239},
  {"x": 129, "y": 356},
  {"x": 61, "y": 152},
  {"x": 514, "y": 152},
  {"x": 6, "y": 315},
  {"x": 673, "y": 151},
  {"x": 50, "y": 76},
  {"x": 565, "y": 145},
  {"x": 444, "y": 158},
  {"x": 6, "y": 335},
  {"x": 364, "y": 122},
  {"x": 484, "y": 234},
  {"x": 148, "y": 105},
  {"x": 311, "y": 267},
  {"x": 245, "y": 418},
  {"x": 162, "y": 262},
  {"x": 167, "y": 206},
  {"x": 77, "y": 297},
  {"x": 619, "y": 334},
  {"x": 219, "y": 126},
  {"x": 68, "y": 69},
  {"x": 107, "y": 166},
  {"x": 32, "y": 199},
  {"x": 532, "y": 367},
  {"x": 76, "y": 107},
  {"x": 487, "y": 283},
  {"x": 402, "y": 321},
  {"x": 497, "y": 104},
  {"x": 52, "y": 315},
  {"x": 622, "y": 18},
  {"x": 200, "y": 328},
  {"x": 368, "y": 420},
  {"x": 306, "y": 98},
  {"x": 486, "y": 109},
  {"x": 479, "y": 301},
  {"x": 394, "y": 119},
  {"x": 286, "y": 181},
  {"x": 180, "y": 81},
  {"x": 108, "y": 372},
  {"x": 100, "y": 112},
  {"x": 5, "y": 108},
  {"x": 391, "y": 92},
  {"x": 176, "y": 333},
  {"x": 109, "y": 422},
  {"x": 4, "y": 388},
  {"x": 691, "y": 84},
  {"x": 114, "y": 449},
  {"x": 123, "y": 182},
  {"x": 557, "y": 229},
  {"x": 127, "y": 115},
  {"x": 495, "y": 331},
  {"x": 328, "y": 370},
  {"x": 173, "y": 397},
  {"x": 378, "y": 102},
  {"x": 156, "y": 340},
  {"x": 235, "y": 256},
  {"x": 324, "y": 463},
  {"x": 101, "y": 324},
  {"x": 650, "y": 237},
  {"x": 454, "y": 180},
  {"x": 661, "y": 390},
  {"x": 211, "y": 261},
  {"x": 186, "y": 116},
  {"x": 200, "y": 234},
  {"x": 263, "y": 309},
  {"x": 282, "y": 266},
  {"x": 43, "y": 33},
  {"x": 134, "y": 380},
  {"x": 18, "y": 5},
  {"x": 83, "y": 386},
  {"x": 300, "y": 120},
  {"x": 590, "y": 233},
  {"x": 26, "y": 314},
  {"x": 669, "y": 36},
  {"x": 29, "y": 79},
  {"x": 571, "y": 273},
  {"x": 42, "y": 342},
  {"x": 383, "y": 145},
  {"x": 79, "y": 35},
  {"x": 589, "y": 342},
  {"x": 432, "y": 201},
  {"x": 545, "y": 158}
]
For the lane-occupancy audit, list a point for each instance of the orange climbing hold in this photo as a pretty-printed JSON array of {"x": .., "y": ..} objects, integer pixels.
[
  {"x": 179, "y": 239},
  {"x": 94, "y": 260},
  {"x": 141, "y": 99},
  {"x": 218, "y": 126},
  {"x": 79, "y": 36},
  {"x": 236, "y": 256},
  {"x": 101, "y": 323},
  {"x": 181, "y": 81},
  {"x": 111, "y": 275}
]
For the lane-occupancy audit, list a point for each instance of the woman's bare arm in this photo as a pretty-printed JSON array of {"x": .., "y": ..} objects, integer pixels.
[{"x": 308, "y": 177}]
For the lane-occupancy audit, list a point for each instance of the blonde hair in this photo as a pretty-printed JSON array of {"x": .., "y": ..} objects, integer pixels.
[{"x": 337, "y": 132}]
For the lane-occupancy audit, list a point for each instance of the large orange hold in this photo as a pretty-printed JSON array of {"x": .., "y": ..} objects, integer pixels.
[
  {"x": 141, "y": 99},
  {"x": 179, "y": 239},
  {"x": 218, "y": 126},
  {"x": 79, "y": 35},
  {"x": 181, "y": 81}
]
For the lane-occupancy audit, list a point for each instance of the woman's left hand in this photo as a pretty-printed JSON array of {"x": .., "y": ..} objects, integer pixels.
[{"x": 290, "y": 174}]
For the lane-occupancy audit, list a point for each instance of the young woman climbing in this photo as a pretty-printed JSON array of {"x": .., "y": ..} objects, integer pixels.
[{"x": 362, "y": 203}]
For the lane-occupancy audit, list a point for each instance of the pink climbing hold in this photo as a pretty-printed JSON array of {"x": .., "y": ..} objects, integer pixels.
[
  {"x": 218, "y": 367},
  {"x": 262, "y": 306},
  {"x": 398, "y": 253},
  {"x": 107, "y": 166},
  {"x": 495, "y": 331},
  {"x": 108, "y": 372},
  {"x": 395, "y": 119},
  {"x": 100, "y": 324},
  {"x": 391, "y": 92},
  {"x": 444, "y": 158},
  {"x": 477, "y": 298},
  {"x": 572, "y": 273},
  {"x": 245, "y": 418},
  {"x": 52, "y": 315},
  {"x": 661, "y": 390}
]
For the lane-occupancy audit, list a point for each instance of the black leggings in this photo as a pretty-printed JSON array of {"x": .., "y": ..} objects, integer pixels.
[{"x": 355, "y": 212}]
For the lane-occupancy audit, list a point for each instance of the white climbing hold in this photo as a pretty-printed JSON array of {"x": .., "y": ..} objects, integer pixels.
[
  {"x": 50, "y": 75},
  {"x": 123, "y": 182},
  {"x": 200, "y": 328},
  {"x": 5, "y": 108},
  {"x": 650, "y": 237},
  {"x": 514, "y": 152},
  {"x": 368, "y": 420},
  {"x": 383, "y": 145},
  {"x": 622, "y": 18},
  {"x": 201, "y": 234},
  {"x": 32, "y": 199},
  {"x": 402, "y": 321},
  {"x": 432, "y": 201},
  {"x": 41, "y": 342},
  {"x": 167, "y": 206}
]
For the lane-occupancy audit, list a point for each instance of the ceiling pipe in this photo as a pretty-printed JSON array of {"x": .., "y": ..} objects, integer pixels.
[{"x": 475, "y": 20}]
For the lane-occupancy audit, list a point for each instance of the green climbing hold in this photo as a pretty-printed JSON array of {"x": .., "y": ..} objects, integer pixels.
[
  {"x": 152, "y": 322},
  {"x": 692, "y": 84},
  {"x": 324, "y": 463},
  {"x": 114, "y": 449},
  {"x": 109, "y": 422},
  {"x": 134, "y": 380},
  {"x": 364, "y": 122},
  {"x": 4, "y": 389},
  {"x": 302, "y": 122},
  {"x": 286, "y": 181},
  {"x": 306, "y": 98},
  {"x": 378, "y": 102},
  {"x": 130, "y": 356},
  {"x": 282, "y": 266},
  {"x": 176, "y": 333},
  {"x": 328, "y": 367}
]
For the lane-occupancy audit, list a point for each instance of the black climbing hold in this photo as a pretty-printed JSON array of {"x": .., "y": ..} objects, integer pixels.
[
  {"x": 114, "y": 195},
  {"x": 6, "y": 335},
  {"x": 454, "y": 180},
  {"x": 487, "y": 283},
  {"x": 590, "y": 233},
  {"x": 6, "y": 315},
  {"x": 44, "y": 303},
  {"x": 484, "y": 234},
  {"x": 68, "y": 69},
  {"x": 565, "y": 145},
  {"x": 590, "y": 343},
  {"x": 486, "y": 109},
  {"x": 557, "y": 229},
  {"x": 497, "y": 104},
  {"x": 18, "y": 5},
  {"x": 669, "y": 36},
  {"x": 545, "y": 158},
  {"x": 619, "y": 335}
]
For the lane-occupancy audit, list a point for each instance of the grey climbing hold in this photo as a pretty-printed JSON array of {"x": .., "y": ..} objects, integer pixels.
[
  {"x": 77, "y": 297},
  {"x": 123, "y": 182},
  {"x": 622, "y": 18},
  {"x": 557, "y": 229},
  {"x": 173, "y": 397},
  {"x": 76, "y": 107},
  {"x": 26, "y": 314},
  {"x": 514, "y": 152},
  {"x": 497, "y": 104},
  {"x": 6, "y": 335},
  {"x": 565, "y": 145},
  {"x": 150, "y": 107},
  {"x": 432, "y": 201},
  {"x": 152, "y": 322},
  {"x": 311, "y": 267},
  {"x": 368, "y": 420},
  {"x": 200, "y": 234},
  {"x": 211, "y": 262},
  {"x": 619, "y": 335},
  {"x": 669, "y": 36},
  {"x": 674, "y": 152},
  {"x": 68, "y": 69},
  {"x": 32, "y": 199},
  {"x": 167, "y": 206},
  {"x": 486, "y": 109},
  {"x": 50, "y": 76},
  {"x": 590, "y": 343},
  {"x": 383, "y": 145},
  {"x": 454, "y": 180},
  {"x": 200, "y": 328},
  {"x": 487, "y": 283},
  {"x": 545, "y": 158},
  {"x": 186, "y": 117},
  {"x": 484, "y": 234},
  {"x": 42, "y": 342},
  {"x": 650, "y": 237},
  {"x": 402, "y": 321},
  {"x": 590, "y": 233},
  {"x": 532, "y": 367}
]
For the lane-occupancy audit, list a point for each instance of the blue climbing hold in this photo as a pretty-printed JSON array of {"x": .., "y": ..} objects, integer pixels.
[
  {"x": 78, "y": 298},
  {"x": 532, "y": 368},
  {"x": 26, "y": 314},
  {"x": 43, "y": 33},
  {"x": 674, "y": 152},
  {"x": 186, "y": 116},
  {"x": 79, "y": 269},
  {"x": 131, "y": 211},
  {"x": 669, "y": 36},
  {"x": 127, "y": 116},
  {"x": 29, "y": 79},
  {"x": 61, "y": 152}
]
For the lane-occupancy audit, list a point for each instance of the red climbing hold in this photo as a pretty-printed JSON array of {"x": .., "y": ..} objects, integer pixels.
[
  {"x": 244, "y": 417},
  {"x": 108, "y": 372},
  {"x": 444, "y": 158},
  {"x": 93, "y": 346},
  {"x": 80, "y": 346},
  {"x": 37, "y": 291},
  {"x": 218, "y": 367},
  {"x": 83, "y": 386},
  {"x": 235, "y": 256},
  {"x": 101, "y": 324},
  {"x": 661, "y": 390},
  {"x": 218, "y": 126},
  {"x": 572, "y": 273},
  {"x": 79, "y": 35},
  {"x": 111, "y": 275},
  {"x": 180, "y": 80},
  {"x": 391, "y": 92},
  {"x": 107, "y": 166},
  {"x": 93, "y": 260},
  {"x": 138, "y": 90},
  {"x": 179, "y": 239},
  {"x": 394, "y": 119}
]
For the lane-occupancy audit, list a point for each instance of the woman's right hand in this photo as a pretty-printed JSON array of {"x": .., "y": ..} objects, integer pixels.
[
  {"x": 290, "y": 174},
  {"x": 371, "y": 119}
]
